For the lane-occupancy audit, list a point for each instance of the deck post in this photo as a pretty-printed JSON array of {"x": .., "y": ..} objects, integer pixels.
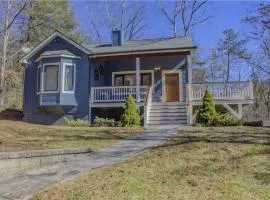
[
  {"x": 240, "y": 110},
  {"x": 138, "y": 80}
]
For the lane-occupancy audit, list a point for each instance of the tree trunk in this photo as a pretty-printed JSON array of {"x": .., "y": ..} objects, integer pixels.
[
  {"x": 228, "y": 66},
  {"x": 4, "y": 53}
]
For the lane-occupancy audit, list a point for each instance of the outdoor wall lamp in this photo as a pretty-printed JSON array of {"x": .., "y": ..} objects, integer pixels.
[{"x": 157, "y": 68}]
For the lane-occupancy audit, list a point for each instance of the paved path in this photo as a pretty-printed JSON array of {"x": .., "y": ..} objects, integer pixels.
[{"x": 23, "y": 185}]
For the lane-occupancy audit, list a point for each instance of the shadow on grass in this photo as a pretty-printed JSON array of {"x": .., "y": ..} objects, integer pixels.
[
  {"x": 264, "y": 177},
  {"x": 220, "y": 138}
]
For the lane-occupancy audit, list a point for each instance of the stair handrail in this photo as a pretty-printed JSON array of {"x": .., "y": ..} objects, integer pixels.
[
  {"x": 147, "y": 104},
  {"x": 148, "y": 95}
]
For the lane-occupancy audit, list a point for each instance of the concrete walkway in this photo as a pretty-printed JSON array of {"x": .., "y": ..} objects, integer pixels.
[{"x": 22, "y": 185}]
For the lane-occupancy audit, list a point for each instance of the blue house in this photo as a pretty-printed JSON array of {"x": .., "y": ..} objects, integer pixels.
[{"x": 64, "y": 79}]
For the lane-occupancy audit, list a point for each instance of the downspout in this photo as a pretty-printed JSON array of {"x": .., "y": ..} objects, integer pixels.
[{"x": 89, "y": 90}]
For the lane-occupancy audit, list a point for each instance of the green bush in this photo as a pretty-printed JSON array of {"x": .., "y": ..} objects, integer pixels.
[
  {"x": 226, "y": 120},
  {"x": 207, "y": 112},
  {"x": 105, "y": 122},
  {"x": 131, "y": 116},
  {"x": 76, "y": 122},
  {"x": 208, "y": 116}
]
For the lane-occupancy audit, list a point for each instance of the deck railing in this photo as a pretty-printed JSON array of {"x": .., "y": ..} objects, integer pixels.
[
  {"x": 222, "y": 91},
  {"x": 115, "y": 93}
]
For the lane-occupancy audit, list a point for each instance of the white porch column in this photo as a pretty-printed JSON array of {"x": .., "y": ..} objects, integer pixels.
[
  {"x": 189, "y": 68},
  {"x": 138, "y": 80},
  {"x": 188, "y": 91}
]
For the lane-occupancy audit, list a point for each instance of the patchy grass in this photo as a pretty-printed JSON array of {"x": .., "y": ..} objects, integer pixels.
[
  {"x": 201, "y": 163},
  {"x": 21, "y": 136}
]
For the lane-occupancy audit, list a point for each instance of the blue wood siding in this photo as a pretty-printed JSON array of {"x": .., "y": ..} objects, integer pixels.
[
  {"x": 49, "y": 99},
  {"x": 73, "y": 105}
]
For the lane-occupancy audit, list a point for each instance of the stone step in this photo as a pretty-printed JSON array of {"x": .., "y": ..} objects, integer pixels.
[
  {"x": 168, "y": 110},
  {"x": 169, "y": 114},
  {"x": 167, "y": 107},
  {"x": 169, "y": 103},
  {"x": 167, "y": 118},
  {"x": 167, "y": 122}
]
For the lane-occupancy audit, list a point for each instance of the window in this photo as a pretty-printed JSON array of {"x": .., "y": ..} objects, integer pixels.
[
  {"x": 68, "y": 77},
  {"x": 50, "y": 79},
  {"x": 38, "y": 78},
  {"x": 146, "y": 79},
  {"x": 119, "y": 80},
  {"x": 130, "y": 79}
]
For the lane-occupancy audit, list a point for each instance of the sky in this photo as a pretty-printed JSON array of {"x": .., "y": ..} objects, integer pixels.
[{"x": 226, "y": 14}]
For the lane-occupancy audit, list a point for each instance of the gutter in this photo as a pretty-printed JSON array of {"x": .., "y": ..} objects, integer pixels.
[{"x": 141, "y": 52}]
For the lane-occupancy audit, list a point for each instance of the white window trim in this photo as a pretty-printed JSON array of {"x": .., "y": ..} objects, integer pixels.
[
  {"x": 42, "y": 78},
  {"x": 164, "y": 72},
  {"x": 63, "y": 78},
  {"x": 134, "y": 72},
  {"x": 57, "y": 56}
]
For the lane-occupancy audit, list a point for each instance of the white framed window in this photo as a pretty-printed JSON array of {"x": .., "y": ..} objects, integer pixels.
[
  {"x": 128, "y": 78},
  {"x": 50, "y": 78},
  {"x": 38, "y": 79},
  {"x": 68, "y": 78}
]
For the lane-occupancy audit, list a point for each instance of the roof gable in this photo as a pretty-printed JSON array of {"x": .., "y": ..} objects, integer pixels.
[{"x": 47, "y": 41}]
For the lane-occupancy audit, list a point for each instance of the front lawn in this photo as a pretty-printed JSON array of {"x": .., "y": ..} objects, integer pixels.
[
  {"x": 201, "y": 163},
  {"x": 21, "y": 136}
]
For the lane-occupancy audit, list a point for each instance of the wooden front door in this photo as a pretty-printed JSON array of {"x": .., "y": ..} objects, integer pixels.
[{"x": 172, "y": 87}]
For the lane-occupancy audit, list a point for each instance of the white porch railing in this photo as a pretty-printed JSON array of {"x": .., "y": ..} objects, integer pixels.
[
  {"x": 115, "y": 93},
  {"x": 222, "y": 91}
]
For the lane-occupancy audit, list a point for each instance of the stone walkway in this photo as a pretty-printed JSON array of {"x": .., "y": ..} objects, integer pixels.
[{"x": 22, "y": 185}]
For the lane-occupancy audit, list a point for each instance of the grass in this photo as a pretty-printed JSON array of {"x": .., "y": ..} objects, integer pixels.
[
  {"x": 201, "y": 163},
  {"x": 21, "y": 136}
]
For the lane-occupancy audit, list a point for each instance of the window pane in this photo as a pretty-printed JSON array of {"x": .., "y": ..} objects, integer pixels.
[
  {"x": 69, "y": 78},
  {"x": 118, "y": 80},
  {"x": 50, "y": 78},
  {"x": 38, "y": 79},
  {"x": 130, "y": 80},
  {"x": 146, "y": 79}
]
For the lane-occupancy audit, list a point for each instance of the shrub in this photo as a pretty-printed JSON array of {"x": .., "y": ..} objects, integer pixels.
[
  {"x": 207, "y": 112},
  {"x": 226, "y": 120},
  {"x": 76, "y": 122},
  {"x": 99, "y": 121},
  {"x": 131, "y": 116},
  {"x": 208, "y": 116}
]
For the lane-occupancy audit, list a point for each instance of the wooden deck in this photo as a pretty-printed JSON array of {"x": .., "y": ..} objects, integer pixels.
[{"x": 222, "y": 93}]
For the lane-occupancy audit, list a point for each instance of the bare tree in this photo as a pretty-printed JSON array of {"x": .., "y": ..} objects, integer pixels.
[
  {"x": 175, "y": 13},
  {"x": 185, "y": 15},
  {"x": 11, "y": 12},
  {"x": 123, "y": 15}
]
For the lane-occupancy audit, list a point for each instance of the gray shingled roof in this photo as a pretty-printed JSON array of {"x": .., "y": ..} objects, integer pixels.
[
  {"x": 57, "y": 53},
  {"x": 143, "y": 45}
]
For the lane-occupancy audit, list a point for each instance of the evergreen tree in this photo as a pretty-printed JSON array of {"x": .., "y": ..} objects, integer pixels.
[
  {"x": 42, "y": 18},
  {"x": 207, "y": 112},
  {"x": 131, "y": 116}
]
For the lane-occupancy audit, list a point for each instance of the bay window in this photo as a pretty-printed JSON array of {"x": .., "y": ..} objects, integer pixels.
[
  {"x": 50, "y": 77},
  {"x": 38, "y": 78},
  {"x": 68, "y": 77}
]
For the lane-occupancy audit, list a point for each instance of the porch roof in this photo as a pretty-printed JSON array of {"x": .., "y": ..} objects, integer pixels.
[{"x": 141, "y": 46}]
